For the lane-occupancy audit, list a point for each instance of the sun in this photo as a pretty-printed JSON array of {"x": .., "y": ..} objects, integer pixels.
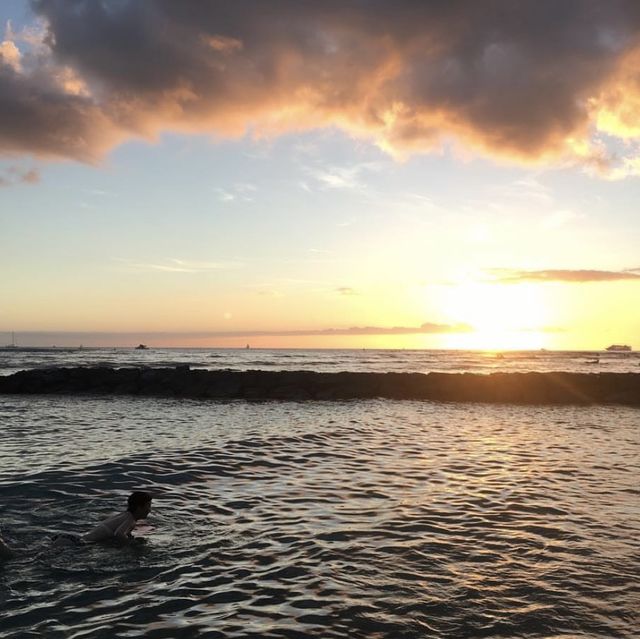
[{"x": 501, "y": 316}]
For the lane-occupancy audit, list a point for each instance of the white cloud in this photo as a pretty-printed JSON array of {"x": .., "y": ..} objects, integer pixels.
[
  {"x": 241, "y": 191},
  {"x": 559, "y": 218},
  {"x": 175, "y": 265},
  {"x": 343, "y": 177}
]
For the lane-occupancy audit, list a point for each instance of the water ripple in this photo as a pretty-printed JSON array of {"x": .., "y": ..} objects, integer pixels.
[{"x": 354, "y": 519}]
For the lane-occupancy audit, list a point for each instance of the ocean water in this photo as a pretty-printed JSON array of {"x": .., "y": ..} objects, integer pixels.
[
  {"x": 377, "y": 519},
  {"x": 400, "y": 361}
]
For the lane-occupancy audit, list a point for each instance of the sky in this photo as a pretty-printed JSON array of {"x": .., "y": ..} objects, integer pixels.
[{"x": 338, "y": 174}]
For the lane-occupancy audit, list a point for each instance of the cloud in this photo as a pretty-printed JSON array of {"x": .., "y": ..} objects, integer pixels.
[
  {"x": 328, "y": 332},
  {"x": 44, "y": 107},
  {"x": 225, "y": 196},
  {"x": 15, "y": 175},
  {"x": 559, "y": 218},
  {"x": 238, "y": 192},
  {"x": 565, "y": 275},
  {"x": 528, "y": 189},
  {"x": 179, "y": 266},
  {"x": 337, "y": 177},
  {"x": 270, "y": 293},
  {"x": 105, "y": 338},
  {"x": 346, "y": 290},
  {"x": 10, "y": 55},
  {"x": 521, "y": 80},
  {"x": 426, "y": 328}
]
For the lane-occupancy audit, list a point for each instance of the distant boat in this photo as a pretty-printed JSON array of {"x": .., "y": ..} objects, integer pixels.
[
  {"x": 142, "y": 347},
  {"x": 13, "y": 341},
  {"x": 618, "y": 348},
  {"x": 247, "y": 347}
]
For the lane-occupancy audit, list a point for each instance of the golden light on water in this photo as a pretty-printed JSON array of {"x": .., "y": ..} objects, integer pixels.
[{"x": 501, "y": 316}]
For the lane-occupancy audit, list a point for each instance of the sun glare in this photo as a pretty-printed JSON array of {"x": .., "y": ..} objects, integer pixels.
[{"x": 501, "y": 316}]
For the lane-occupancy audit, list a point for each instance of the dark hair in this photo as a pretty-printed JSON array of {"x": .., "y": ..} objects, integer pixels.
[{"x": 138, "y": 498}]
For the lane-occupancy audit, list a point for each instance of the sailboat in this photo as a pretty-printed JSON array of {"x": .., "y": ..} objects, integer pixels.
[{"x": 13, "y": 341}]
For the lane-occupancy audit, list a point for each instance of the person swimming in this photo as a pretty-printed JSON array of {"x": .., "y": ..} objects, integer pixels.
[
  {"x": 120, "y": 526},
  {"x": 117, "y": 527}
]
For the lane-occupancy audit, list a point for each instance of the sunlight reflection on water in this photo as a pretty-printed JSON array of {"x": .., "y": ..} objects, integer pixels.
[{"x": 337, "y": 519}]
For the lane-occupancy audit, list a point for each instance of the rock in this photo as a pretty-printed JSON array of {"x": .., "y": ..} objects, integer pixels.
[{"x": 181, "y": 381}]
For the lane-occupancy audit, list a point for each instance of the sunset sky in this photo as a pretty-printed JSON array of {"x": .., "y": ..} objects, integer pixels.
[{"x": 387, "y": 174}]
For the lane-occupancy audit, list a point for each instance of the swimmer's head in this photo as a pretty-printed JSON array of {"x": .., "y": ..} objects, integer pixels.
[{"x": 139, "y": 504}]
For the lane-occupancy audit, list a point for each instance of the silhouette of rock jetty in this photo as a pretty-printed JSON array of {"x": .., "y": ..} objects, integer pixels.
[{"x": 512, "y": 388}]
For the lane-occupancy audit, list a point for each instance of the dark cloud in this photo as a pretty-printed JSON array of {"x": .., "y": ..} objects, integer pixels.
[
  {"x": 524, "y": 79},
  {"x": 560, "y": 275},
  {"x": 42, "y": 113}
]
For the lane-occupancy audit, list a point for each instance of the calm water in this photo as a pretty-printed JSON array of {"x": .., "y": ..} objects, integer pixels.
[
  {"x": 12, "y": 360},
  {"x": 338, "y": 519}
]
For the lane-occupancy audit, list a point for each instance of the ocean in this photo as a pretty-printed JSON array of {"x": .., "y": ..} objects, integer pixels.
[
  {"x": 376, "y": 518},
  {"x": 325, "y": 360}
]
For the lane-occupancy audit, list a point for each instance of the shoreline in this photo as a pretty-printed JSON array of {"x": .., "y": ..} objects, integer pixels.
[{"x": 509, "y": 388}]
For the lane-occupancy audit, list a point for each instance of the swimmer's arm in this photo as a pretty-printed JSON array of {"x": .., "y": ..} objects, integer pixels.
[{"x": 123, "y": 532}]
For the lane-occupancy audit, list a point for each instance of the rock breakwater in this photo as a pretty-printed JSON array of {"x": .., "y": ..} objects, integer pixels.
[{"x": 514, "y": 388}]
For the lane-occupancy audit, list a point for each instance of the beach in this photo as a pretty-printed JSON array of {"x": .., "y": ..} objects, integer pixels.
[{"x": 359, "y": 518}]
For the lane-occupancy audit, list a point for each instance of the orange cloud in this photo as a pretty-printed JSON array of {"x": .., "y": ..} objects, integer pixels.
[{"x": 526, "y": 81}]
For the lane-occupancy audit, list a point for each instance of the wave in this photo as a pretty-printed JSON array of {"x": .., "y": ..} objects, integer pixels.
[{"x": 389, "y": 522}]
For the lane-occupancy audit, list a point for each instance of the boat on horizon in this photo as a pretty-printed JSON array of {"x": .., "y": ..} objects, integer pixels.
[
  {"x": 142, "y": 347},
  {"x": 13, "y": 341},
  {"x": 618, "y": 348}
]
